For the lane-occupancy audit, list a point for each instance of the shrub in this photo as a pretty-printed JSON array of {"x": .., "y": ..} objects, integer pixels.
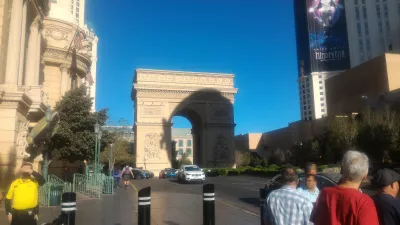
[
  {"x": 264, "y": 163},
  {"x": 233, "y": 172},
  {"x": 322, "y": 167},
  {"x": 222, "y": 172},
  {"x": 244, "y": 169},
  {"x": 333, "y": 165},
  {"x": 273, "y": 166}
]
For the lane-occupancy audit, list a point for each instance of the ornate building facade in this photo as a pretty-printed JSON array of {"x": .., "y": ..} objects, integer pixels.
[{"x": 35, "y": 62}]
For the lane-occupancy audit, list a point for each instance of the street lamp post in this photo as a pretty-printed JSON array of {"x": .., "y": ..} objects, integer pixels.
[
  {"x": 96, "y": 131},
  {"x": 48, "y": 115},
  {"x": 111, "y": 160},
  {"x": 98, "y": 151}
]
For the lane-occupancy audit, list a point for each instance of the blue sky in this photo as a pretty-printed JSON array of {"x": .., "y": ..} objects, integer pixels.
[{"x": 252, "y": 39}]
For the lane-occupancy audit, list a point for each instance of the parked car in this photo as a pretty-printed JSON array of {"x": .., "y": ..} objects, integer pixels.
[
  {"x": 323, "y": 180},
  {"x": 171, "y": 173},
  {"x": 191, "y": 173},
  {"x": 151, "y": 174},
  {"x": 140, "y": 174},
  {"x": 163, "y": 172}
]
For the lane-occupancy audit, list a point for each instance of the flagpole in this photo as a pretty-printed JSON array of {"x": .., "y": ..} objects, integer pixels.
[{"x": 73, "y": 38}]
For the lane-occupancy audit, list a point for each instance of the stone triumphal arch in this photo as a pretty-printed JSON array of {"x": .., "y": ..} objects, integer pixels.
[{"x": 205, "y": 99}]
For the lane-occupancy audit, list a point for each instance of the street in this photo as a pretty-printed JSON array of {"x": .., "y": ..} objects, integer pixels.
[{"x": 240, "y": 192}]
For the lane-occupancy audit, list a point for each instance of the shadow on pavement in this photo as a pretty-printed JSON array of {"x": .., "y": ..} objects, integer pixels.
[{"x": 251, "y": 201}]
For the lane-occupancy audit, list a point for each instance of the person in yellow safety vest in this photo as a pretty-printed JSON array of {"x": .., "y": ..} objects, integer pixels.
[{"x": 21, "y": 203}]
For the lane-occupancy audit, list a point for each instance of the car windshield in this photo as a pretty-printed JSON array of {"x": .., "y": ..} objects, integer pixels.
[{"x": 192, "y": 168}]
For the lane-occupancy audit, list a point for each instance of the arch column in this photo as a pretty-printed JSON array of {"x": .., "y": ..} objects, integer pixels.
[
  {"x": 23, "y": 40},
  {"x": 32, "y": 63},
  {"x": 64, "y": 79},
  {"x": 14, "y": 43}
]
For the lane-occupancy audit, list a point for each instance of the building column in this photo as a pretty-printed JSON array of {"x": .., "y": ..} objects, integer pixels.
[
  {"x": 64, "y": 79},
  {"x": 22, "y": 54},
  {"x": 14, "y": 43},
  {"x": 38, "y": 55},
  {"x": 31, "y": 62}
]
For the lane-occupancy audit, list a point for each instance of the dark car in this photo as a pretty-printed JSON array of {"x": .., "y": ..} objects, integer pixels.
[
  {"x": 140, "y": 174},
  {"x": 151, "y": 174},
  {"x": 323, "y": 180}
]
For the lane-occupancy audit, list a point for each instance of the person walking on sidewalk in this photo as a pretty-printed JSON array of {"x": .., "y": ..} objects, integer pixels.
[
  {"x": 116, "y": 175},
  {"x": 126, "y": 174},
  {"x": 387, "y": 206},
  {"x": 21, "y": 203},
  {"x": 287, "y": 205},
  {"x": 344, "y": 203}
]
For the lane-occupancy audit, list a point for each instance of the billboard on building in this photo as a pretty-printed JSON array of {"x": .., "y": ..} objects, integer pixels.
[{"x": 329, "y": 47}]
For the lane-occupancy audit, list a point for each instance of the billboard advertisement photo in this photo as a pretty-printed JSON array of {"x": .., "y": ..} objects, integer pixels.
[{"x": 329, "y": 47}]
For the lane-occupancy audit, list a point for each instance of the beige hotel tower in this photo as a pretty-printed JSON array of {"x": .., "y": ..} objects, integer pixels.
[{"x": 35, "y": 36}]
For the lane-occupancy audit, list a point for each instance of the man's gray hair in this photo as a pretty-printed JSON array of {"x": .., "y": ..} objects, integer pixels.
[{"x": 355, "y": 166}]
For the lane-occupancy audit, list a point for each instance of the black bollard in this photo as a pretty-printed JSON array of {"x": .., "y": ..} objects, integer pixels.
[
  {"x": 68, "y": 208},
  {"x": 262, "y": 201},
  {"x": 208, "y": 204},
  {"x": 144, "y": 206}
]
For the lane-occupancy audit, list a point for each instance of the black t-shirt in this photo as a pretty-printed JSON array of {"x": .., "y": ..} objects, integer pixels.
[{"x": 388, "y": 209}]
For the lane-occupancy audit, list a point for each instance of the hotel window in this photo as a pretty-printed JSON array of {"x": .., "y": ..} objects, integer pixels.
[
  {"x": 322, "y": 104},
  {"x": 320, "y": 87},
  {"x": 357, "y": 14},
  {"x": 180, "y": 143},
  {"x": 309, "y": 113},
  {"x": 360, "y": 45},
  {"x": 380, "y": 27},
  {"x": 322, "y": 110},
  {"x": 308, "y": 90},
  {"x": 305, "y": 107},
  {"x": 368, "y": 47},
  {"x": 378, "y": 11},
  {"x": 385, "y": 10},
  {"x": 319, "y": 76},
  {"x": 359, "y": 29},
  {"x": 320, "y": 82},
  {"x": 321, "y": 99},
  {"x": 304, "y": 91},
  {"x": 387, "y": 27},
  {"x": 366, "y": 29},
  {"x": 309, "y": 118},
  {"x": 189, "y": 151},
  {"x": 189, "y": 143},
  {"x": 309, "y": 107},
  {"x": 398, "y": 8},
  {"x": 180, "y": 151},
  {"x": 308, "y": 96},
  {"x": 365, "y": 13},
  {"x": 321, "y": 93}
]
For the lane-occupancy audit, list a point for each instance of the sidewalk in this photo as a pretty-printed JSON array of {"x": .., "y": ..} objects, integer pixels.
[
  {"x": 187, "y": 209},
  {"x": 110, "y": 210},
  {"x": 166, "y": 209}
]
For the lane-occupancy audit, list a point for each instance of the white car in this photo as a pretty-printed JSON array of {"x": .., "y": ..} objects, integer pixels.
[{"x": 191, "y": 173}]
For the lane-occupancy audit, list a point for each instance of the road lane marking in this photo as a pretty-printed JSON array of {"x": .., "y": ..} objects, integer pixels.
[
  {"x": 236, "y": 207},
  {"x": 133, "y": 186}
]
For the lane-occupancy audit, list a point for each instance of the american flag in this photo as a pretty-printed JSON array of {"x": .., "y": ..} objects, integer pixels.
[
  {"x": 79, "y": 37},
  {"x": 89, "y": 78}
]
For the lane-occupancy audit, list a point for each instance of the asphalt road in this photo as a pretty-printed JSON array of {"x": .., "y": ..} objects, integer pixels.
[{"x": 240, "y": 192}]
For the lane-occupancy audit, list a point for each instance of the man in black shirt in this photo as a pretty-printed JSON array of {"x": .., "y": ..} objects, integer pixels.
[{"x": 387, "y": 206}]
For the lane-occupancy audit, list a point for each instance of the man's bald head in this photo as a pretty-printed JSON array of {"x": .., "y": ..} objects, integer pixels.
[{"x": 289, "y": 176}]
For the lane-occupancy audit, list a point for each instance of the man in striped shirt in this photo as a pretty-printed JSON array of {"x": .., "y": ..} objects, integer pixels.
[{"x": 287, "y": 205}]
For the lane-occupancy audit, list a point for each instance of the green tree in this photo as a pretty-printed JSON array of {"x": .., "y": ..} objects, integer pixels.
[
  {"x": 118, "y": 154},
  {"x": 242, "y": 158},
  {"x": 379, "y": 133},
  {"x": 75, "y": 138}
]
